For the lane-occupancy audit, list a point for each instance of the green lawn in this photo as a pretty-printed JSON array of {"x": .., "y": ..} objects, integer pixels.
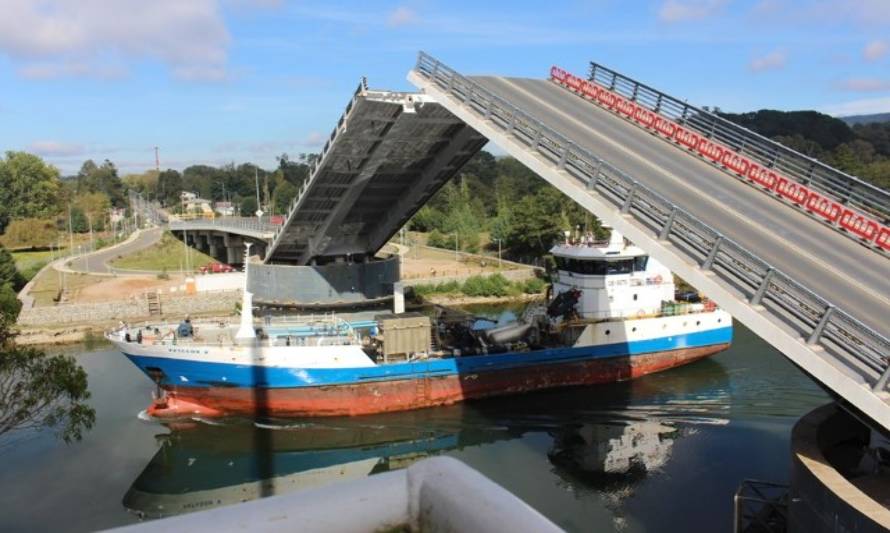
[
  {"x": 168, "y": 254},
  {"x": 29, "y": 263}
]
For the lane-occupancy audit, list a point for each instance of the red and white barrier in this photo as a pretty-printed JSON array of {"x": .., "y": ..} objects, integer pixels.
[
  {"x": 793, "y": 191},
  {"x": 833, "y": 212}
]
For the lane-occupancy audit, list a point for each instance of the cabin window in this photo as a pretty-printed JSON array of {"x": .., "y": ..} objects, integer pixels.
[
  {"x": 590, "y": 267},
  {"x": 640, "y": 263}
]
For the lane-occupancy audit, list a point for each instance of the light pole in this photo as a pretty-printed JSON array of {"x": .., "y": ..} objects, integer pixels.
[{"x": 499, "y": 254}]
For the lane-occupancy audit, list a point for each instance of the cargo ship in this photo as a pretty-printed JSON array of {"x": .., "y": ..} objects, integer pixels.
[{"x": 611, "y": 314}]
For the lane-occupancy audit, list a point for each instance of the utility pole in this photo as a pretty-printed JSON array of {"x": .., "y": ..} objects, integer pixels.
[
  {"x": 499, "y": 253},
  {"x": 70, "y": 232},
  {"x": 456, "y": 246},
  {"x": 157, "y": 160}
]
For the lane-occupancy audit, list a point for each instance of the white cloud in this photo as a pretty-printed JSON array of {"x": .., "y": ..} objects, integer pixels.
[
  {"x": 55, "y": 149},
  {"x": 402, "y": 16},
  {"x": 865, "y": 12},
  {"x": 48, "y": 71},
  {"x": 859, "y": 107},
  {"x": 66, "y": 38},
  {"x": 774, "y": 60},
  {"x": 686, "y": 10},
  {"x": 875, "y": 50},
  {"x": 864, "y": 85}
]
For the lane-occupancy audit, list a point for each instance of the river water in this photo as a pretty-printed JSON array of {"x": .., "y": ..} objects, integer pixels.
[{"x": 662, "y": 453}]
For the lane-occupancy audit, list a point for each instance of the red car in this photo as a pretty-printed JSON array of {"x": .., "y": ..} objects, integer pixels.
[{"x": 216, "y": 268}]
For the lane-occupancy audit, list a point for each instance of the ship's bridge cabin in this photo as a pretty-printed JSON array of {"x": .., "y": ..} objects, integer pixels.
[{"x": 616, "y": 278}]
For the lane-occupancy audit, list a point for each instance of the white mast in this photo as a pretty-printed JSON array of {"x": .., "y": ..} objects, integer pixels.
[{"x": 245, "y": 330}]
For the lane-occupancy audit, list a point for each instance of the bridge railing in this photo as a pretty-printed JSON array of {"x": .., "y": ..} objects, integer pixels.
[
  {"x": 853, "y": 344},
  {"x": 843, "y": 187},
  {"x": 317, "y": 164},
  {"x": 240, "y": 223}
]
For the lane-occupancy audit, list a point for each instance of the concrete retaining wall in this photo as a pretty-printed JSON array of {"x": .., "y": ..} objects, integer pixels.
[{"x": 131, "y": 309}]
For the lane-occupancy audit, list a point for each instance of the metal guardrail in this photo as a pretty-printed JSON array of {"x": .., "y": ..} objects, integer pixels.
[
  {"x": 317, "y": 165},
  {"x": 842, "y": 187},
  {"x": 242, "y": 223},
  {"x": 850, "y": 342}
]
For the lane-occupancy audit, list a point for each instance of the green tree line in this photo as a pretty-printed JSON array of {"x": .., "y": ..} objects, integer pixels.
[{"x": 862, "y": 150}]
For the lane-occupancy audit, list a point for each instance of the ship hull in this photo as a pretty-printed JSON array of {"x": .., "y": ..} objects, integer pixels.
[{"x": 418, "y": 391}]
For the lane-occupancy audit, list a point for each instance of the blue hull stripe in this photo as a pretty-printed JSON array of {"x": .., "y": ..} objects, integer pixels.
[{"x": 194, "y": 373}]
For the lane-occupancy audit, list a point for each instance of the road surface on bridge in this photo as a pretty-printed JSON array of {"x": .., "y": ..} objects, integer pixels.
[{"x": 851, "y": 276}]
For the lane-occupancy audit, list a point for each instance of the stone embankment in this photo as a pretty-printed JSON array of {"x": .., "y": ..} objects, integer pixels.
[{"x": 131, "y": 309}]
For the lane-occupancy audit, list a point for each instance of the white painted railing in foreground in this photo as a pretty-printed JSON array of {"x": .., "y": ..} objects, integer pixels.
[{"x": 438, "y": 494}]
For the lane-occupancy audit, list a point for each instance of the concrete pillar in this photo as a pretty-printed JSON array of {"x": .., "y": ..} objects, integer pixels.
[
  {"x": 233, "y": 255},
  {"x": 398, "y": 297}
]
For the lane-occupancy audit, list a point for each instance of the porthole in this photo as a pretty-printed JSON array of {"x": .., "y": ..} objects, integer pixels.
[
  {"x": 634, "y": 329},
  {"x": 635, "y": 297},
  {"x": 719, "y": 320},
  {"x": 698, "y": 322},
  {"x": 608, "y": 331},
  {"x": 684, "y": 324}
]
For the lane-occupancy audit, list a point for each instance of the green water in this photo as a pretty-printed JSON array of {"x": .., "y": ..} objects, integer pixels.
[{"x": 662, "y": 453}]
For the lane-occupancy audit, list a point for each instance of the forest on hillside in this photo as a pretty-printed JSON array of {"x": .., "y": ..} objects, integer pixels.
[{"x": 862, "y": 150}]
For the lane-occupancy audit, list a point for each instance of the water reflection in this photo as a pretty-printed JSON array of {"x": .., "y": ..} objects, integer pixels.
[{"x": 602, "y": 437}]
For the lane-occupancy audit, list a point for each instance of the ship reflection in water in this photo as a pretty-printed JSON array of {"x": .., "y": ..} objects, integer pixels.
[{"x": 605, "y": 439}]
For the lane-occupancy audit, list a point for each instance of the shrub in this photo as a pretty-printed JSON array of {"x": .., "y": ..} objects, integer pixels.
[
  {"x": 494, "y": 285},
  {"x": 533, "y": 286}
]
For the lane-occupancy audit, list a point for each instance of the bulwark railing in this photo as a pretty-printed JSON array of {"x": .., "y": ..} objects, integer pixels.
[
  {"x": 850, "y": 342},
  {"x": 846, "y": 189}
]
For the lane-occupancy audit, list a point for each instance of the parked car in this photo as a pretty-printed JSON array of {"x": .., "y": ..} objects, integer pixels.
[{"x": 216, "y": 268}]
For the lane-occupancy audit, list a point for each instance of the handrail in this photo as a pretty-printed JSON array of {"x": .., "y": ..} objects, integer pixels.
[
  {"x": 247, "y": 223},
  {"x": 851, "y": 342},
  {"x": 843, "y": 187}
]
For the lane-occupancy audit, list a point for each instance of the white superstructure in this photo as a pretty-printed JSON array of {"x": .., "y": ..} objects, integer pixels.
[{"x": 616, "y": 279}]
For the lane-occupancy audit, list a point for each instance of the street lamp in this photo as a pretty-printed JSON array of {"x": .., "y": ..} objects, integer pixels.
[{"x": 499, "y": 254}]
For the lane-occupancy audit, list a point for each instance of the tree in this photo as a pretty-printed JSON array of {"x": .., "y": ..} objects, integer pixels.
[
  {"x": 30, "y": 233},
  {"x": 79, "y": 222},
  {"x": 9, "y": 274},
  {"x": 248, "y": 207},
  {"x": 169, "y": 187},
  {"x": 28, "y": 188},
  {"x": 43, "y": 392},
  {"x": 284, "y": 193},
  {"x": 94, "y": 207},
  {"x": 544, "y": 218},
  {"x": 37, "y": 391},
  {"x": 103, "y": 178}
]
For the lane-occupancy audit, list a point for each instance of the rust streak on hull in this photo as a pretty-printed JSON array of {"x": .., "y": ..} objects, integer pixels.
[{"x": 401, "y": 395}]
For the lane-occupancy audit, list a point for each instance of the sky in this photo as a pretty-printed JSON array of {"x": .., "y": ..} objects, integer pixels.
[{"x": 218, "y": 81}]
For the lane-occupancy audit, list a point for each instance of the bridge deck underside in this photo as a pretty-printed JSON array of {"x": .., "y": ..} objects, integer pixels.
[
  {"x": 851, "y": 276},
  {"x": 380, "y": 171}
]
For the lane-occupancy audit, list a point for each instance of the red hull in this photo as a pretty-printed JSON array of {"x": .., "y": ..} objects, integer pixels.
[{"x": 384, "y": 396}]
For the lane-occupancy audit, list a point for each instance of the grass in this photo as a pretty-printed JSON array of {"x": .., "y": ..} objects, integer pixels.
[
  {"x": 29, "y": 263},
  {"x": 167, "y": 254},
  {"x": 46, "y": 287}
]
